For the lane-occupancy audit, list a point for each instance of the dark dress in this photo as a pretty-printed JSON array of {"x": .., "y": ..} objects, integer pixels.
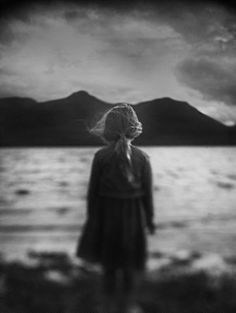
[{"x": 119, "y": 207}]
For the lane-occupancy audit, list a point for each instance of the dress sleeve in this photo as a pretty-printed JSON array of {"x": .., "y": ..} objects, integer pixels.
[
  {"x": 92, "y": 192},
  {"x": 148, "y": 192}
]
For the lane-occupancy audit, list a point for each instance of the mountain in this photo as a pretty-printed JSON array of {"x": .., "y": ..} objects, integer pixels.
[
  {"x": 65, "y": 122},
  {"x": 25, "y": 122},
  {"x": 232, "y": 134},
  {"x": 168, "y": 122}
]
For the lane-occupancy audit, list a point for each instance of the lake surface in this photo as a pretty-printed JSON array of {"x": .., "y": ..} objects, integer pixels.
[{"x": 43, "y": 199}]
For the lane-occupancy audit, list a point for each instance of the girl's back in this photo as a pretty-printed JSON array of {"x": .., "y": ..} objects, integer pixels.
[{"x": 121, "y": 178}]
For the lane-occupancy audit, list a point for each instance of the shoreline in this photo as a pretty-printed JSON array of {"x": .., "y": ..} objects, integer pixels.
[{"x": 56, "y": 283}]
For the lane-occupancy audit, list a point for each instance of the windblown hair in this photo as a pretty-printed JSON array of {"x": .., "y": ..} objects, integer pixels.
[{"x": 117, "y": 125}]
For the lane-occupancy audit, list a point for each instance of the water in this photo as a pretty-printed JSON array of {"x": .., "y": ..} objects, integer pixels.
[{"x": 43, "y": 199}]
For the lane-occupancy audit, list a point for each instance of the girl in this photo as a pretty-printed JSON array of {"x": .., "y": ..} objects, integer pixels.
[{"x": 119, "y": 206}]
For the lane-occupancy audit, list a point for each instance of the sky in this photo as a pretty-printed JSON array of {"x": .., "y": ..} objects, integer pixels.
[{"x": 121, "y": 52}]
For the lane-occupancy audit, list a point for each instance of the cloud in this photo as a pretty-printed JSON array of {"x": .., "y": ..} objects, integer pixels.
[
  {"x": 210, "y": 67},
  {"x": 126, "y": 51},
  {"x": 216, "y": 81},
  {"x": 92, "y": 49}
]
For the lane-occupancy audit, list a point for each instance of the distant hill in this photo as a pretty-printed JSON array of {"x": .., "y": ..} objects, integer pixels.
[
  {"x": 168, "y": 122},
  {"x": 65, "y": 122},
  {"x": 25, "y": 122},
  {"x": 232, "y": 134}
]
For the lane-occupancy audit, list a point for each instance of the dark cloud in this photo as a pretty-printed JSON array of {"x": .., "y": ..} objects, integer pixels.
[
  {"x": 186, "y": 16},
  {"x": 19, "y": 8},
  {"x": 213, "y": 80}
]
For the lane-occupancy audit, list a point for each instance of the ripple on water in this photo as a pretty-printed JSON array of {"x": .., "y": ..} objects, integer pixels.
[
  {"x": 15, "y": 211},
  {"x": 63, "y": 184},
  {"x": 63, "y": 210},
  {"x": 22, "y": 192},
  {"x": 232, "y": 176},
  {"x": 225, "y": 185}
]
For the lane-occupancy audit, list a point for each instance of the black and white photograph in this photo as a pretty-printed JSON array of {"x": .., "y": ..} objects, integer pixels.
[{"x": 117, "y": 156}]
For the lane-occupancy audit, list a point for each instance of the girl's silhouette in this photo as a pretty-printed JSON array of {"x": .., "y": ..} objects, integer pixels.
[{"x": 119, "y": 207}]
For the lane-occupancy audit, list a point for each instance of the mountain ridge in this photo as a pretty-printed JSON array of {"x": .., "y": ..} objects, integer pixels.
[{"x": 65, "y": 122}]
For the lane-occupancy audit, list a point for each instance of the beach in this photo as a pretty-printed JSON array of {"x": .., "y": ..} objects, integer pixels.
[{"x": 55, "y": 283}]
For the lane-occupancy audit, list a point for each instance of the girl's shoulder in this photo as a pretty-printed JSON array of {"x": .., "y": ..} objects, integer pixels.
[
  {"x": 109, "y": 149},
  {"x": 105, "y": 153},
  {"x": 139, "y": 153}
]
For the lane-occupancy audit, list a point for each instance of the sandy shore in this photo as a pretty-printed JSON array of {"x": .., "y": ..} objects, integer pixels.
[{"x": 55, "y": 283}]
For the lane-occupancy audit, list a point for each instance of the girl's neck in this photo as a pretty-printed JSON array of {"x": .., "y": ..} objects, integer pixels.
[{"x": 129, "y": 142}]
